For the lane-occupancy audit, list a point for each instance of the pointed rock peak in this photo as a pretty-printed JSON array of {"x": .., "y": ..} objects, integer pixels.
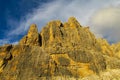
[
  {"x": 32, "y": 37},
  {"x": 33, "y": 28},
  {"x": 57, "y": 23},
  {"x": 72, "y": 19},
  {"x": 73, "y": 22}
]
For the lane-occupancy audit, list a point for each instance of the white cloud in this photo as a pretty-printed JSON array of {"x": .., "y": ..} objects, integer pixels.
[
  {"x": 14, "y": 43},
  {"x": 7, "y": 41},
  {"x": 4, "y": 41},
  {"x": 107, "y": 23},
  {"x": 83, "y": 10}
]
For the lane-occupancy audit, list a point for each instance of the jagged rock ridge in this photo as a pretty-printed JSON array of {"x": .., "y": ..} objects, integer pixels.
[{"x": 66, "y": 51}]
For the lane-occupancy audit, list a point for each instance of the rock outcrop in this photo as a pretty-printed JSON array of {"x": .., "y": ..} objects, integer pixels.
[
  {"x": 65, "y": 51},
  {"x": 32, "y": 38},
  {"x": 105, "y": 46},
  {"x": 116, "y": 49}
]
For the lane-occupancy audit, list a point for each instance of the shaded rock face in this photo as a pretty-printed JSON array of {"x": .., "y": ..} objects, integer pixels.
[
  {"x": 65, "y": 51},
  {"x": 5, "y": 56}
]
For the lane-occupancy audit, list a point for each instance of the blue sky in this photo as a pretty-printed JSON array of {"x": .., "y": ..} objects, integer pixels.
[
  {"x": 16, "y": 16},
  {"x": 11, "y": 13}
]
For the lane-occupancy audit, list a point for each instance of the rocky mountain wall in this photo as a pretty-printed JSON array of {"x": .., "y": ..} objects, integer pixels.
[{"x": 61, "y": 51}]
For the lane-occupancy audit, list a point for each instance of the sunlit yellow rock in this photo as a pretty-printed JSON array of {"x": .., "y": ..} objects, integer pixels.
[
  {"x": 32, "y": 37},
  {"x": 61, "y": 51}
]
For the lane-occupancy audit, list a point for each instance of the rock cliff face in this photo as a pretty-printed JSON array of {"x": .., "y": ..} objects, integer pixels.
[{"x": 61, "y": 51}]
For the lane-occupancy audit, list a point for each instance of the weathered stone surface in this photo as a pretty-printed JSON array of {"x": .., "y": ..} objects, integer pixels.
[
  {"x": 28, "y": 65},
  {"x": 61, "y": 39},
  {"x": 105, "y": 47},
  {"x": 32, "y": 37},
  {"x": 5, "y": 56},
  {"x": 65, "y": 51},
  {"x": 116, "y": 49}
]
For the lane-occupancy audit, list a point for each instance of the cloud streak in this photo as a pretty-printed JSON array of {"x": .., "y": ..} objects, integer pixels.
[
  {"x": 88, "y": 12},
  {"x": 4, "y": 41}
]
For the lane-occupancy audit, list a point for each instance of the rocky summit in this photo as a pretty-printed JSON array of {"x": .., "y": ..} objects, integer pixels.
[{"x": 61, "y": 51}]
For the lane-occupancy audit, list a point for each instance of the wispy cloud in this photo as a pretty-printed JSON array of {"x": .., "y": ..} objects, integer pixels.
[
  {"x": 86, "y": 11},
  {"x": 107, "y": 23},
  {"x": 7, "y": 41}
]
